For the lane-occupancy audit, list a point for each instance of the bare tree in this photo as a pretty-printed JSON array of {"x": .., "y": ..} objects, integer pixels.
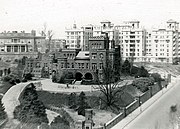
[
  {"x": 109, "y": 87},
  {"x": 48, "y": 34}
]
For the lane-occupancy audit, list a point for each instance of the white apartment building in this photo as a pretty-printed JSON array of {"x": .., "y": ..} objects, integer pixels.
[
  {"x": 162, "y": 44},
  {"x": 109, "y": 28},
  {"x": 132, "y": 40},
  {"x": 78, "y": 37}
]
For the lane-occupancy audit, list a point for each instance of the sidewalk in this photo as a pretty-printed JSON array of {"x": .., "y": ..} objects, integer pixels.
[{"x": 123, "y": 123}]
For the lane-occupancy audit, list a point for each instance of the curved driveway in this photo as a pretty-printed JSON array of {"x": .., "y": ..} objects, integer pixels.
[{"x": 10, "y": 99}]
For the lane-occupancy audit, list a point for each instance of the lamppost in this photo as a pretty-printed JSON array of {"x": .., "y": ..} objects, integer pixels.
[{"x": 140, "y": 102}]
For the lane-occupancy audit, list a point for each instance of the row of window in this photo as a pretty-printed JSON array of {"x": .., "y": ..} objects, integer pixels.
[
  {"x": 69, "y": 56},
  {"x": 132, "y": 54},
  {"x": 74, "y": 33},
  {"x": 82, "y": 65}
]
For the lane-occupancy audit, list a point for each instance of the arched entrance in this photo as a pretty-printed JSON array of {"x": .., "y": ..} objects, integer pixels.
[
  {"x": 78, "y": 76},
  {"x": 88, "y": 76}
]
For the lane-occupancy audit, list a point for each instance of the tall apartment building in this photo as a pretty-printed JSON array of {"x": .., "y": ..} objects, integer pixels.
[
  {"x": 18, "y": 44},
  {"x": 164, "y": 43},
  {"x": 132, "y": 40},
  {"x": 78, "y": 37},
  {"x": 109, "y": 28},
  {"x": 148, "y": 46}
]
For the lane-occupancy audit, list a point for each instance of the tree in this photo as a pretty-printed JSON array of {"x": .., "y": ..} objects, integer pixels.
[
  {"x": 157, "y": 78},
  {"x": 82, "y": 104},
  {"x": 31, "y": 109},
  {"x": 60, "y": 123},
  {"x": 48, "y": 34},
  {"x": 28, "y": 76},
  {"x": 2, "y": 111},
  {"x": 72, "y": 100},
  {"x": 109, "y": 88},
  {"x": 126, "y": 67},
  {"x": 142, "y": 72}
]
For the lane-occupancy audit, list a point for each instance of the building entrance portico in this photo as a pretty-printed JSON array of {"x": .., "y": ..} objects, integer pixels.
[{"x": 15, "y": 48}]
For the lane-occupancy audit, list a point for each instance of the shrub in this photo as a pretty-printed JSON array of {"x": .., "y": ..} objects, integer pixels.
[
  {"x": 142, "y": 72},
  {"x": 69, "y": 75},
  {"x": 143, "y": 83},
  {"x": 156, "y": 76},
  {"x": 126, "y": 67},
  {"x": 62, "y": 79},
  {"x": 28, "y": 76},
  {"x": 2, "y": 111},
  {"x": 60, "y": 123},
  {"x": 134, "y": 70}
]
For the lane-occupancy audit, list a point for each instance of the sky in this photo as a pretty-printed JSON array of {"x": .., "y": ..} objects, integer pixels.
[{"x": 58, "y": 14}]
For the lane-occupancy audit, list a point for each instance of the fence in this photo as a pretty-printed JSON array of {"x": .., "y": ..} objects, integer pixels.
[
  {"x": 133, "y": 106},
  {"x": 3, "y": 122},
  {"x": 114, "y": 121}
]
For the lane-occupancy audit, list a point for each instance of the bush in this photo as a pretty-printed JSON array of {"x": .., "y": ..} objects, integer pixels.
[
  {"x": 24, "y": 80},
  {"x": 28, "y": 76},
  {"x": 2, "y": 111},
  {"x": 69, "y": 75},
  {"x": 142, "y": 72},
  {"x": 60, "y": 123},
  {"x": 126, "y": 67},
  {"x": 88, "y": 82},
  {"x": 156, "y": 76},
  {"x": 143, "y": 83},
  {"x": 7, "y": 78},
  {"x": 134, "y": 70},
  {"x": 62, "y": 79}
]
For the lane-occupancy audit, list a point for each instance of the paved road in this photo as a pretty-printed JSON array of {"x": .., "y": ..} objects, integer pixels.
[{"x": 157, "y": 116}]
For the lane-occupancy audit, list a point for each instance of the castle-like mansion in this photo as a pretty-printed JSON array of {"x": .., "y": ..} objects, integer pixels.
[{"x": 80, "y": 64}]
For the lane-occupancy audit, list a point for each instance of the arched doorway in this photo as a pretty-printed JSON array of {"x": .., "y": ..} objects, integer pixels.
[
  {"x": 78, "y": 76},
  {"x": 88, "y": 76}
]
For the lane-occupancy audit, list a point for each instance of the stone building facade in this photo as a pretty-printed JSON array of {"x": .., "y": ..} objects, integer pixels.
[
  {"x": 15, "y": 45},
  {"x": 80, "y": 64}
]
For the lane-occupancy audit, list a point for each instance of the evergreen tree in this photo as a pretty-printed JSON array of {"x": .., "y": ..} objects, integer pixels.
[
  {"x": 72, "y": 100},
  {"x": 31, "y": 110},
  {"x": 60, "y": 123},
  {"x": 2, "y": 111},
  {"x": 82, "y": 104},
  {"x": 142, "y": 72},
  {"x": 126, "y": 67}
]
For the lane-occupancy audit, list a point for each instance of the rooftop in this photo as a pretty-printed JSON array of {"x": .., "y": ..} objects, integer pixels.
[{"x": 83, "y": 55}]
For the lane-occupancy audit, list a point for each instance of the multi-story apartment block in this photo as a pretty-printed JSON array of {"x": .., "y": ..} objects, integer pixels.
[
  {"x": 78, "y": 37},
  {"x": 16, "y": 45},
  {"x": 109, "y": 28},
  {"x": 148, "y": 46},
  {"x": 163, "y": 43},
  {"x": 132, "y": 40}
]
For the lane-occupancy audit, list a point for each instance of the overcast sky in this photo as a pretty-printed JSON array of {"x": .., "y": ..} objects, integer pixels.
[{"x": 58, "y": 14}]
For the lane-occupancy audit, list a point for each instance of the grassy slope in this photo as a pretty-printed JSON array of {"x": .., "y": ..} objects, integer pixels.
[{"x": 161, "y": 68}]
